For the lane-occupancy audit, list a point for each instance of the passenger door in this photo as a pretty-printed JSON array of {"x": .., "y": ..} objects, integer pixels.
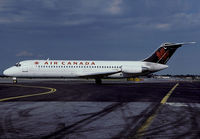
[{"x": 25, "y": 69}]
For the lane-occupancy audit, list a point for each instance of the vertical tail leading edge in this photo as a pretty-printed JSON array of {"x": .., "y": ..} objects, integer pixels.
[{"x": 164, "y": 52}]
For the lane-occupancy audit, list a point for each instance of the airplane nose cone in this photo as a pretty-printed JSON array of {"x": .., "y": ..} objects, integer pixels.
[{"x": 6, "y": 73}]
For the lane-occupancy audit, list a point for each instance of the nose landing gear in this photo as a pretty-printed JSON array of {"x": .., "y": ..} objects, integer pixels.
[{"x": 14, "y": 80}]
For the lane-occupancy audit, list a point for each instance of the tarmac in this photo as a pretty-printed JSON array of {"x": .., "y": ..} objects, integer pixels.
[{"x": 44, "y": 108}]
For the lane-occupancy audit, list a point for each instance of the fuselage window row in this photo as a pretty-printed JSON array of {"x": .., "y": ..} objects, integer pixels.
[{"x": 78, "y": 66}]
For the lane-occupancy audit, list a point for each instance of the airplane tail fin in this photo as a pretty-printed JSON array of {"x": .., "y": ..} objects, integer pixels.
[{"x": 164, "y": 52}]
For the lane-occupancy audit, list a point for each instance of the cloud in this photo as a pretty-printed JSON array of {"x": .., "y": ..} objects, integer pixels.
[
  {"x": 77, "y": 22},
  {"x": 115, "y": 7},
  {"x": 187, "y": 19},
  {"x": 50, "y": 14},
  {"x": 4, "y": 4},
  {"x": 24, "y": 54},
  {"x": 49, "y": 3},
  {"x": 29, "y": 54},
  {"x": 13, "y": 19},
  {"x": 162, "y": 26}
]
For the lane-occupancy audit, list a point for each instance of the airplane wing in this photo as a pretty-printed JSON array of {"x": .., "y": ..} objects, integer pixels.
[{"x": 99, "y": 74}]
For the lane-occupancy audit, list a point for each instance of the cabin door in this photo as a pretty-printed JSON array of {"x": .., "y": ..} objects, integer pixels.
[{"x": 25, "y": 69}]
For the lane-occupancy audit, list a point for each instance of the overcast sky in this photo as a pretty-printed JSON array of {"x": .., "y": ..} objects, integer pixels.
[{"x": 99, "y": 30}]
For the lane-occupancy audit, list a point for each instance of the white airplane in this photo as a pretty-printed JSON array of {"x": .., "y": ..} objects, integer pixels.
[{"x": 94, "y": 69}]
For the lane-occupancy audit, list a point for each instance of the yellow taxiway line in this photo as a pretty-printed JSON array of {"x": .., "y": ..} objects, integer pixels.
[
  {"x": 164, "y": 100},
  {"x": 148, "y": 122},
  {"x": 51, "y": 90}
]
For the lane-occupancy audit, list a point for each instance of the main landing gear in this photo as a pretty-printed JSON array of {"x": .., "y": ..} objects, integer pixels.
[
  {"x": 14, "y": 80},
  {"x": 98, "y": 81}
]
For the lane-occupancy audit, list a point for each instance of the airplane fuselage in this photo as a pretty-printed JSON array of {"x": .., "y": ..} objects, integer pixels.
[{"x": 82, "y": 69}]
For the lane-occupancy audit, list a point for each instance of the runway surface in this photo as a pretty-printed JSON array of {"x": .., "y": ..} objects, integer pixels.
[{"x": 82, "y": 109}]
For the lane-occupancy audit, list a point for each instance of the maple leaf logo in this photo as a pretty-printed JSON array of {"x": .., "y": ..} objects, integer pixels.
[
  {"x": 162, "y": 54},
  {"x": 36, "y": 63}
]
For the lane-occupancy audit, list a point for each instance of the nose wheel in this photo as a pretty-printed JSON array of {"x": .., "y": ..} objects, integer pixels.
[{"x": 14, "y": 80}]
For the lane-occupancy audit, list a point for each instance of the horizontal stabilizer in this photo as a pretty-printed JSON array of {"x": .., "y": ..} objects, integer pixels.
[{"x": 176, "y": 44}]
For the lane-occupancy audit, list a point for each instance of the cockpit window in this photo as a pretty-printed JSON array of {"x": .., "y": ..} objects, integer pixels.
[{"x": 17, "y": 64}]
